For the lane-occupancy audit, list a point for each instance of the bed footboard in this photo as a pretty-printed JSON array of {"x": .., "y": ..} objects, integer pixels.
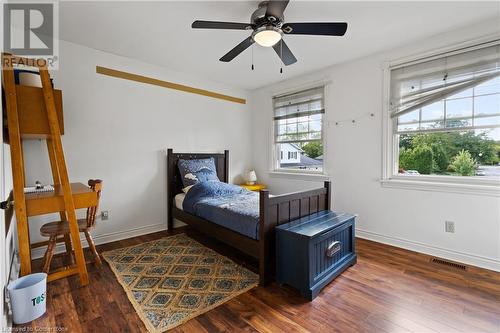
[{"x": 281, "y": 209}]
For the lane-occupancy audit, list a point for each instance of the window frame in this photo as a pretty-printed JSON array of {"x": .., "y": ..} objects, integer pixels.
[
  {"x": 390, "y": 150},
  {"x": 274, "y": 169}
]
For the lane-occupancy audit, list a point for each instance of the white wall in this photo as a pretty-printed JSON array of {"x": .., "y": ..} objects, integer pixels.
[
  {"x": 407, "y": 218},
  {"x": 118, "y": 131},
  {"x": 9, "y": 263},
  {"x": 4, "y": 261}
]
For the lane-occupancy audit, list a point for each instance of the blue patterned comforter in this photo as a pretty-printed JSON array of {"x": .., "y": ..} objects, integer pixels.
[{"x": 227, "y": 205}]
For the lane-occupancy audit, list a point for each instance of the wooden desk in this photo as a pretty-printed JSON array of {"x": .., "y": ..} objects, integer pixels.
[
  {"x": 53, "y": 202},
  {"x": 48, "y": 127}
]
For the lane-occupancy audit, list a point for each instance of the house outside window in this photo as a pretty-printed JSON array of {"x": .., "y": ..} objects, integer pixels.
[
  {"x": 298, "y": 131},
  {"x": 443, "y": 117}
]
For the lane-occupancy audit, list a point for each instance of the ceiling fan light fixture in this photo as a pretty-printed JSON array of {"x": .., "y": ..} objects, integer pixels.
[
  {"x": 267, "y": 36},
  {"x": 269, "y": 26}
]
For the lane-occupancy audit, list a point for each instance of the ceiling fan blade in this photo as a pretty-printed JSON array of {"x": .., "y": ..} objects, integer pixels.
[
  {"x": 276, "y": 8},
  {"x": 315, "y": 28},
  {"x": 220, "y": 25},
  {"x": 284, "y": 53},
  {"x": 237, "y": 49}
]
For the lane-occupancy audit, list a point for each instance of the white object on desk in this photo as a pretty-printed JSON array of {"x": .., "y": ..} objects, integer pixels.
[{"x": 33, "y": 189}]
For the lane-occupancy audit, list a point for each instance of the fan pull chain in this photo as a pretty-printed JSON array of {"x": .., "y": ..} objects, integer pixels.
[
  {"x": 281, "y": 56},
  {"x": 252, "y": 58}
]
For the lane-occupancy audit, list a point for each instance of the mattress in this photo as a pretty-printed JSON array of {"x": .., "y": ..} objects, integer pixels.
[
  {"x": 220, "y": 215},
  {"x": 229, "y": 206},
  {"x": 179, "y": 199}
]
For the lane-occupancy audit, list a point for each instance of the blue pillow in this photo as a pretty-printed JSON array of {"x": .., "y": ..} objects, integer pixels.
[{"x": 199, "y": 170}]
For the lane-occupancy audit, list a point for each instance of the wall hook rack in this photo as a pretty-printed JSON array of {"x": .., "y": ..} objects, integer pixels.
[{"x": 354, "y": 120}]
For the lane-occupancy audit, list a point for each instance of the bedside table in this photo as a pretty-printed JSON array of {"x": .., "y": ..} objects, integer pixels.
[{"x": 255, "y": 187}]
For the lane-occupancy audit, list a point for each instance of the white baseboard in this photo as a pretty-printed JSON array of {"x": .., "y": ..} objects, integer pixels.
[
  {"x": 466, "y": 258},
  {"x": 106, "y": 238}
]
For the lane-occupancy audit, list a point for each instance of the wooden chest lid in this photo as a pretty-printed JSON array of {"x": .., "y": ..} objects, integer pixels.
[{"x": 316, "y": 224}]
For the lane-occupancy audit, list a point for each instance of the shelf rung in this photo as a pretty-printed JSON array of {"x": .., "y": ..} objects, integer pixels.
[{"x": 62, "y": 273}]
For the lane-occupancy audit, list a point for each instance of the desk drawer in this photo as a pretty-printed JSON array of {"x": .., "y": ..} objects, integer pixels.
[{"x": 330, "y": 249}]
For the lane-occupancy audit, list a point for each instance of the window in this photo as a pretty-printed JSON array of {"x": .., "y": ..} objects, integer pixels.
[
  {"x": 298, "y": 129},
  {"x": 444, "y": 115}
]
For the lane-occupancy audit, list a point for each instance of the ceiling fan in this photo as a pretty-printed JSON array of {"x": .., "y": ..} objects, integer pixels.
[{"x": 268, "y": 29}]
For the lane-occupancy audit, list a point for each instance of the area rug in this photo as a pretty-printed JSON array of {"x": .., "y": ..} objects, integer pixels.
[{"x": 174, "y": 279}]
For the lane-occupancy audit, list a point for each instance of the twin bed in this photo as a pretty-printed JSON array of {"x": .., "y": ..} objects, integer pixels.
[{"x": 242, "y": 219}]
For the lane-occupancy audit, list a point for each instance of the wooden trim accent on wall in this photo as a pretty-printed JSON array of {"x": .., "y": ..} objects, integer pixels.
[{"x": 166, "y": 84}]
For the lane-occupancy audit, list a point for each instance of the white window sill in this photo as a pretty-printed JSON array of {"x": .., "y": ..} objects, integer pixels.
[
  {"x": 466, "y": 185},
  {"x": 318, "y": 177}
]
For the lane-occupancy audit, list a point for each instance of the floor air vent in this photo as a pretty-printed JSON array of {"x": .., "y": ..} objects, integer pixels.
[{"x": 448, "y": 264}]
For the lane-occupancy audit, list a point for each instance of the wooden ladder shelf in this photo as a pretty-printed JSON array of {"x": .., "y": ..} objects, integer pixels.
[{"x": 62, "y": 200}]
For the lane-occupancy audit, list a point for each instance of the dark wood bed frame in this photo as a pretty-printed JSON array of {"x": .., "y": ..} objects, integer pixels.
[{"x": 274, "y": 210}]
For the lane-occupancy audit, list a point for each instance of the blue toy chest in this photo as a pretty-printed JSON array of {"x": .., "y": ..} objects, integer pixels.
[{"x": 314, "y": 250}]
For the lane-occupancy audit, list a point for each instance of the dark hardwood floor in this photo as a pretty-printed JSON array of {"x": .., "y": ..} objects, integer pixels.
[{"x": 388, "y": 290}]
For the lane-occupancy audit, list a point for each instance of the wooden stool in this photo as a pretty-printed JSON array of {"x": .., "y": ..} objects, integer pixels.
[{"x": 61, "y": 228}]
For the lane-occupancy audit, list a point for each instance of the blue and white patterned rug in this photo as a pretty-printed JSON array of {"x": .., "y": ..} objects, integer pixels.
[{"x": 174, "y": 279}]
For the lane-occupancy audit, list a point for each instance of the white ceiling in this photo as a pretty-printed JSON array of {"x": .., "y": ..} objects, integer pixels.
[{"x": 160, "y": 33}]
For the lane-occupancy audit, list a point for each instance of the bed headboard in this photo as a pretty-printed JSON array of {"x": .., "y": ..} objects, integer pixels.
[{"x": 174, "y": 181}]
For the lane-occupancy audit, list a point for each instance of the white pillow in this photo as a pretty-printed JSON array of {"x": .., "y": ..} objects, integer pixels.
[{"x": 187, "y": 188}]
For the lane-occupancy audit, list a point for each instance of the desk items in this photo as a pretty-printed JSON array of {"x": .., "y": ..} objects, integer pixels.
[{"x": 38, "y": 188}]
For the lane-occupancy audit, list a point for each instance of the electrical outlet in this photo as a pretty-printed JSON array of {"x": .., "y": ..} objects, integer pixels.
[
  {"x": 449, "y": 226},
  {"x": 104, "y": 215}
]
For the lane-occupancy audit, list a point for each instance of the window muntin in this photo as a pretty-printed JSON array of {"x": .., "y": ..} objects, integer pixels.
[
  {"x": 475, "y": 107},
  {"x": 298, "y": 128}
]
